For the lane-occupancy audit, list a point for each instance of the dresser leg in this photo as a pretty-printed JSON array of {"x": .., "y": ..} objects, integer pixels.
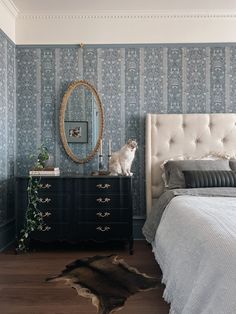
[{"x": 131, "y": 244}]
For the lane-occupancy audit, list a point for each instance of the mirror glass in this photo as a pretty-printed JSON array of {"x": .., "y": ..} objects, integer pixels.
[{"x": 81, "y": 121}]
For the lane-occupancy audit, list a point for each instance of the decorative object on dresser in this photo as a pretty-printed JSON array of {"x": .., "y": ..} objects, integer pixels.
[
  {"x": 121, "y": 161},
  {"x": 101, "y": 167},
  {"x": 45, "y": 171},
  {"x": 109, "y": 151},
  {"x": 82, "y": 208},
  {"x": 119, "y": 279},
  {"x": 44, "y": 163}
]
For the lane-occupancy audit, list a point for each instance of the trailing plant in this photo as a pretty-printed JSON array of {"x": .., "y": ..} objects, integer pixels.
[
  {"x": 43, "y": 156},
  {"x": 34, "y": 218}
]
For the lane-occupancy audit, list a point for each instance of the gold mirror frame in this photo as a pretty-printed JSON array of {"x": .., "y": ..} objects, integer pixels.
[{"x": 63, "y": 108}]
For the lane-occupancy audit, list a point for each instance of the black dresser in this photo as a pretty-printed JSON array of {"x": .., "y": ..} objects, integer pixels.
[{"x": 95, "y": 208}]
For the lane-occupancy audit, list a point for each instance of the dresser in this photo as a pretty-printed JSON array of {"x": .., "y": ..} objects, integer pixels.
[{"x": 97, "y": 208}]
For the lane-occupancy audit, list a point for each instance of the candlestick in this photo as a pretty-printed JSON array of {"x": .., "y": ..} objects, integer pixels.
[
  {"x": 100, "y": 147},
  {"x": 100, "y": 158},
  {"x": 100, "y": 163},
  {"x": 109, "y": 148}
]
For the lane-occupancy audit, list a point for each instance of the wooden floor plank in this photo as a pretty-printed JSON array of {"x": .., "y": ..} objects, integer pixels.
[{"x": 23, "y": 289}]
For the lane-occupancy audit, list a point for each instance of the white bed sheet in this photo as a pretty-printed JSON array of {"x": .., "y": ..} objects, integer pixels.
[{"x": 195, "y": 246}]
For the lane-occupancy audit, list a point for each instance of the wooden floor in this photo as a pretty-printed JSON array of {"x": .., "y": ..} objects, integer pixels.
[{"x": 23, "y": 288}]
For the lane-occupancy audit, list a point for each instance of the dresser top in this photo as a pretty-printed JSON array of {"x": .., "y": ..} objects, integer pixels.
[{"x": 74, "y": 176}]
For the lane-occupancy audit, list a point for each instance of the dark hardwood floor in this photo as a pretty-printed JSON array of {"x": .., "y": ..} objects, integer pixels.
[{"x": 23, "y": 289}]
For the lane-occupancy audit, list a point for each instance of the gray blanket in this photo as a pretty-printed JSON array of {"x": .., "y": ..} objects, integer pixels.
[{"x": 159, "y": 205}]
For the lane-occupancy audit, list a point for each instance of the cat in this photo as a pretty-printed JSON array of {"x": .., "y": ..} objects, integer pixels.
[{"x": 121, "y": 161}]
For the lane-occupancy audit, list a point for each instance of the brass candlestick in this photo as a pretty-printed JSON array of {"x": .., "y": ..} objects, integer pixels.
[{"x": 100, "y": 162}]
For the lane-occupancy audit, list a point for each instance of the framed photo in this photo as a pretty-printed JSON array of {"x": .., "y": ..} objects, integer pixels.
[{"x": 76, "y": 131}]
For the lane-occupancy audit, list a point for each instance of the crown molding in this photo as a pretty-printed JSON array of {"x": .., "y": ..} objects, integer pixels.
[
  {"x": 119, "y": 15},
  {"x": 10, "y": 6}
]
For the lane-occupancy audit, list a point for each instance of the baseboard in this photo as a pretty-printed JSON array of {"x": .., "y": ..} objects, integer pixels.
[
  {"x": 7, "y": 234},
  {"x": 137, "y": 228}
]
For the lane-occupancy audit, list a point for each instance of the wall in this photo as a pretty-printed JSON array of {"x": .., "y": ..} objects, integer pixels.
[
  {"x": 131, "y": 80},
  {"x": 7, "y": 139}
]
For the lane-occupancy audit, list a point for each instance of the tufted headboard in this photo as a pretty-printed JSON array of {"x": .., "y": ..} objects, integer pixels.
[{"x": 192, "y": 135}]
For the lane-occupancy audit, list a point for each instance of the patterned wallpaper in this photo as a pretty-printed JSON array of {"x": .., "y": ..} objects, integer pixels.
[
  {"x": 7, "y": 127},
  {"x": 131, "y": 81}
]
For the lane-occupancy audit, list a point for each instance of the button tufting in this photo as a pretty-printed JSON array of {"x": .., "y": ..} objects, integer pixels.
[
  {"x": 198, "y": 140},
  {"x": 171, "y": 141}
]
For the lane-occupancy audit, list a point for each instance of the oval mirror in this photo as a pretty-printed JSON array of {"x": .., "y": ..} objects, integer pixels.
[{"x": 81, "y": 121}]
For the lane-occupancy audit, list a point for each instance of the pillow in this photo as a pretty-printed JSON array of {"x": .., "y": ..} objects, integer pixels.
[
  {"x": 211, "y": 156},
  {"x": 232, "y": 164},
  {"x": 162, "y": 166},
  {"x": 174, "y": 169},
  {"x": 207, "y": 179}
]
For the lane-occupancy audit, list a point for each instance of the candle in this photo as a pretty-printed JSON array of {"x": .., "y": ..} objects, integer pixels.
[
  {"x": 100, "y": 147},
  {"x": 109, "y": 147}
]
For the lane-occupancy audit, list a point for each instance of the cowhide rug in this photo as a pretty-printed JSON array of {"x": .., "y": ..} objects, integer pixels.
[{"x": 107, "y": 280}]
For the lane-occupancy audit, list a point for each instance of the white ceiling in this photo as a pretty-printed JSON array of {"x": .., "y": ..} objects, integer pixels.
[{"x": 64, "y": 6}]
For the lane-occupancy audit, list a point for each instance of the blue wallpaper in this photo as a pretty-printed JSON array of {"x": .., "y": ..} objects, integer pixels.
[
  {"x": 131, "y": 82},
  {"x": 7, "y": 128}
]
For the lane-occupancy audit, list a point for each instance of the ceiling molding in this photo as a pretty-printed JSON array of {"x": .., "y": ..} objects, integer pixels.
[
  {"x": 10, "y": 6},
  {"x": 132, "y": 15}
]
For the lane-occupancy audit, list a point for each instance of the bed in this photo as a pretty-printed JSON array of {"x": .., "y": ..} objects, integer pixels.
[{"x": 192, "y": 228}]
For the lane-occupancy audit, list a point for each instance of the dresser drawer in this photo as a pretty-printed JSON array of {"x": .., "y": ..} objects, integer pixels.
[
  {"x": 53, "y": 200},
  {"x": 59, "y": 231},
  {"x": 56, "y": 215},
  {"x": 105, "y": 186},
  {"x": 103, "y": 231},
  {"x": 99, "y": 201},
  {"x": 103, "y": 215},
  {"x": 48, "y": 185}
]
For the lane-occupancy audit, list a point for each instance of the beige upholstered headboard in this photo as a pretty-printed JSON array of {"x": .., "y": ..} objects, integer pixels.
[{"x": 195, "y": 135}]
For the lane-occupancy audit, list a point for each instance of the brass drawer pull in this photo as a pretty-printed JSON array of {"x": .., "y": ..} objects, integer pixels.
[
  {"x": 101, "y": 200},
  {"x": 44, "y": 186},
  {"x": 103, "y": 215},
  {"x": 46, "y": 200},
  {"x": 103, "y": 229},
  {"x": 105, "y": 186}
]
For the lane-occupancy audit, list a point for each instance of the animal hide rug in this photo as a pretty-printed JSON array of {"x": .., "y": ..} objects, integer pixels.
[{"x": 107, "y": 280}]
